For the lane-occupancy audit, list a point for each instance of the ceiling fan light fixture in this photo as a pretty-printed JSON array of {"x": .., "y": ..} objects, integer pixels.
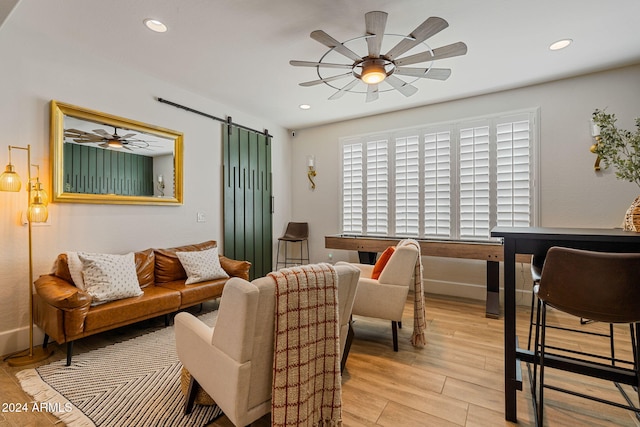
[
  {"x": 373, "y": 72},
  {"x": 114, "y": 143}
]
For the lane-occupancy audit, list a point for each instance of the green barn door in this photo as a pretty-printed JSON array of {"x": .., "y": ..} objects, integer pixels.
[{"x": 247, "y": 198}]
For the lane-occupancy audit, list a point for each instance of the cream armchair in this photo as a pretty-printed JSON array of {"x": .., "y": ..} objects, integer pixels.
[
  {"x": 233, "y": 361},
  {"x": 385, "y": 297}
]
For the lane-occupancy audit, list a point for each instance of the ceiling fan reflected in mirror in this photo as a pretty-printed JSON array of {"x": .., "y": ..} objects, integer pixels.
[
  {"x": 373, "y": 67},
  {"x": 106, "y": 140}
]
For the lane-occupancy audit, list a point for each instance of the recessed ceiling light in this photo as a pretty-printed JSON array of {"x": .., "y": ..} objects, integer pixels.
[
  {"x": 560, "y": 44},
  {"x": 305, "y": 106},
  {"x": 155, "y": 25}
]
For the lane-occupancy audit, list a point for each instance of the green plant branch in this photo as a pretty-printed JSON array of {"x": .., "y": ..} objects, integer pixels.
[{"x": 618, "y": 147}]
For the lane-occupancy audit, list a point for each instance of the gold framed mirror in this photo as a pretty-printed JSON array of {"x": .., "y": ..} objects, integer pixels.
[{"x": 101, "y": 158}]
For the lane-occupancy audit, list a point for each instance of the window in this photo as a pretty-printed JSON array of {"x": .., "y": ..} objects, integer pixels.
[{"x": 452, "y": 181}]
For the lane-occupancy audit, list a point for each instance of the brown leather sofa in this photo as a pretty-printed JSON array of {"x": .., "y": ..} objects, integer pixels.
[{"x": 65, "y": 314}]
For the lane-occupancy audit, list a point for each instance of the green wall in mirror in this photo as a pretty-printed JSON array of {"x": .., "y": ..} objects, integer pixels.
[{"x": 101, "y": 158}]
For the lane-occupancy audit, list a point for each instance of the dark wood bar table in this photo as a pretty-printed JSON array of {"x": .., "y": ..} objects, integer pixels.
[
  {"x": 491, "y": 252},
  {"x": 537, "y": 240}
]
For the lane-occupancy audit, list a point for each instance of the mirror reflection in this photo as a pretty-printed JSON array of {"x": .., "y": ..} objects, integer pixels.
[{"x": 100, "y": 158}]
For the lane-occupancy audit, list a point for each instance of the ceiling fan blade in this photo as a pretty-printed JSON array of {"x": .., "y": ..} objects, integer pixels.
[
  {"x": 326, "y": 79},
  {"x": 427, "y": 73},
  {"x": 449, "y": 51},
  {"x": 330, "y": 42},
  {"x": 376, "y": 22},
  {"x": 74, "y": 132},
  {"x": 401, "y": 86},
  {"x": 318, "y": 64},
  {"x": 372, "y": 93},
  {"x": 344, "y": 89},
  {"x": 103, "y": 133},
  {"x": 129, "y": 135},
  {"x": 428, "y": 28}
]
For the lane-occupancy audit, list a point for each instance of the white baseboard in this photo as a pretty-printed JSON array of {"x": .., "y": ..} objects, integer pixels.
[
  {"x": 471, "y": 291},
  {"x": 18, "y": 339}
]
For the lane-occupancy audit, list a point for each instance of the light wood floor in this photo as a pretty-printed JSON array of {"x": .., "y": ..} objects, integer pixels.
[{"x": 456, "y": 380}]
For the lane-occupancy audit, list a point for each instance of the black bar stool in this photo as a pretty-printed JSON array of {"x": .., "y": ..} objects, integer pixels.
[
  {"x": 295, "y": 232},
  {"x": 599, "y": 286}
]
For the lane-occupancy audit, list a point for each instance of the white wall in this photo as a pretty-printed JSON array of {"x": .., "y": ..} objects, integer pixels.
[
  {"x": 571, "y": 193},
  {"x": 36, "y": 70}
]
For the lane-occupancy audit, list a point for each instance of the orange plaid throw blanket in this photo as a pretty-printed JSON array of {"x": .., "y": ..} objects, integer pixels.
[
  {"x": 306, "y": 364},
  {"x": 418, "y": 338}
]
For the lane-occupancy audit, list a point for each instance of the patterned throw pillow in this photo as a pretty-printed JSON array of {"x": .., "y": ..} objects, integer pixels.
[
  {"x": 109, "y": 277},
  {"x": 75, "y": 269},
  {"x": 201, "y": 265}
]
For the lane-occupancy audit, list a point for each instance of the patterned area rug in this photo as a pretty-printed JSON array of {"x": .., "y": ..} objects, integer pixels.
[{"x": 131, "y": 383}]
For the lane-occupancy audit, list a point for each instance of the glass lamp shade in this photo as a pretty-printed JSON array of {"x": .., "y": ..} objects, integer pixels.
[
  {"x": 373, "y": 71},
  {"x": 10, "y": 180},
  {"x": 37, "y": 212},
  {"x": 374, "y": 76},
  {"x": 38, "y": 191}
]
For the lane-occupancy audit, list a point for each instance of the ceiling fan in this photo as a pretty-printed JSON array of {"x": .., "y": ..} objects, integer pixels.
[
  {"x": 375, "y": 67},
  {"x": 106, "y": 140}
]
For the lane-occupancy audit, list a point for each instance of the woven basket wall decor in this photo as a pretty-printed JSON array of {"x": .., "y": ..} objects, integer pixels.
[{"x": 632, "y": 217}]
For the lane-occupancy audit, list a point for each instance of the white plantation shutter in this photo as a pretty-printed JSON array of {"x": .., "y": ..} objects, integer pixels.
[
  {"x": 474, "y": 197},
  {"x": 407, "y": 186},
  {"x": 352, "y": 187},
  {"x": 513, "y": 177},
  {"x": 453, "y": 180},
  {"x": 377, "y": 185},
  {"x": 437, "y": 184}
]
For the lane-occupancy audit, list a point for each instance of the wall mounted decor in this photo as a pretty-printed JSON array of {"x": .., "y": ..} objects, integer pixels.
[{"x": 101, "y": 158}]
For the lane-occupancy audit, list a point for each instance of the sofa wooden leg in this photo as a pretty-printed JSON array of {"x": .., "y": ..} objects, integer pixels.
[
  {"x": 394, "y": 331},
  {"x": 45, "y": 342},
  {"x": 191, "y": 395},
  {"x": 69, "y": 352}
]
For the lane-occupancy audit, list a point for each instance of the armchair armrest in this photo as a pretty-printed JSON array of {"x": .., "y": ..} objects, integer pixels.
[
  {"x": 61, "y": 294},
  {"x": 235, "y": 268},
  {"x": 192, "y": 330},
  {"x": 365, "y": 269}
]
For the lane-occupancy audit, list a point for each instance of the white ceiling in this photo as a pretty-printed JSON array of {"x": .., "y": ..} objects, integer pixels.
[{"x": 237, "y": 52}]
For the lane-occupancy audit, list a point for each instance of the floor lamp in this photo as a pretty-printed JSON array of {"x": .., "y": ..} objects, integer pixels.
[{"x": 37, "y": 212}]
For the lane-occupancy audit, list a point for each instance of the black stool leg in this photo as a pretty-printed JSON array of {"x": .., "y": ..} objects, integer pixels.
[
  {"x": 541, "y": 382},
  {"x": 45, "y": 342},
  {"x": 278, "y": 254},
  {"x": 394, "y": 331}
]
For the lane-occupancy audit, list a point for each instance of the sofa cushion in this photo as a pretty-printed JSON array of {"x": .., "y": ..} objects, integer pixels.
[
  {"x": 109, "y": 277},
  {"x": 145, "y": 263},
  {"x": 153, "y": 302},
  {"x": 201, "y": 265},
  {"x": 145, "y": 267},
  {"x": 196, "y": 293},
  {"x": 168, "y": 266}
]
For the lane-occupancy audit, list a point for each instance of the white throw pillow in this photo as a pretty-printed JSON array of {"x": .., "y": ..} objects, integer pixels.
[
  {"x": 109, "y": 277},
  {"x": 75, "y": 269},
  {"x": 201, "y": 265}
]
